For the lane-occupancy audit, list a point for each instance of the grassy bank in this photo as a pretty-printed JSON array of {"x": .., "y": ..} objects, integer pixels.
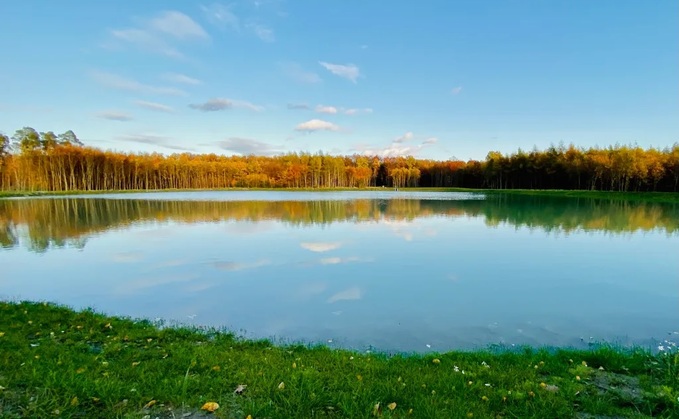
[
  {"x": 659, "y": 197},
  {"x": 55, "y": 362}
]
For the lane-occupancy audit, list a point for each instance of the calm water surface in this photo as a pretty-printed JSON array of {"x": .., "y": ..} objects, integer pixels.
[{"x": 388, "y": 270}]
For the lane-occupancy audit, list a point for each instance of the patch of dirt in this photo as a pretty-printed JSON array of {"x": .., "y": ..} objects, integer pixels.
[{"x": 623, "y": 387}]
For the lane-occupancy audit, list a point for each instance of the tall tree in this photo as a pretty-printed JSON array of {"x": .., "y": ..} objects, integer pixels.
[{"x": 26, "y": 139}]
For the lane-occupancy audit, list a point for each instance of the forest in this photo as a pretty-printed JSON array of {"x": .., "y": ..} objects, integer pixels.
[{"x": 44, "y": 161}]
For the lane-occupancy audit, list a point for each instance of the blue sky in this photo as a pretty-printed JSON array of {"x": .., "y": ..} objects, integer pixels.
[{"x": 434, "y": 79}]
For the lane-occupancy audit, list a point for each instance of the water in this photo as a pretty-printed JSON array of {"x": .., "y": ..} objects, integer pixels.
[{"x": 395, "y": 271}]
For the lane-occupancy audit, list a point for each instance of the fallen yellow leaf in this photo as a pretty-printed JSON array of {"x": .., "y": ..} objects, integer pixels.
[
  {"x": 2, "y": 334},
  {"x": 134, "y": 364},
  {"x": 377, "y": 410},
  {"x": 149, "y": 404},
  {"x": 249, "y": 417},
  {"x": 281, "y": 386},
  {"x": 436, "y": 361},
  {"x": 210, "y": 407},
  {"x": 392, "y": 406},
  {"x": 74, "y": 401},
  {"x": 216, "y": 368}
]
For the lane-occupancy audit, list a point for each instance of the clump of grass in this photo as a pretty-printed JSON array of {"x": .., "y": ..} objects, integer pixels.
[{"x": 55, "y": 362}]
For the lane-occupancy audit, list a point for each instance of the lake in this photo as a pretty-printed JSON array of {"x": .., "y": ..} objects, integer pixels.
[{"x": 369, "y": 270}]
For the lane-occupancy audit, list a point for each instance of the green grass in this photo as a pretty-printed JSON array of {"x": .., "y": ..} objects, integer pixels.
[{"x": 55, "y": 362}]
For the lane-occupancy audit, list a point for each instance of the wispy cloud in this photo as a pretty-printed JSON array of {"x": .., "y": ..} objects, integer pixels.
[
  {"x": 295, "y": 72},
  {"x": 128, "y": 257},
  {"x": 403, "y": 138},
  {"x": 456, "y": 90},
  {"x": 114, "y": 116},
  {"x": 121, "y": 83},
  {"x": 158, "y": 33},
  {"x": 220, "y": 104},
  {"x": 239, "y": 266},
  {"x": 154, "y": 139},
  {"x": 180, "y": 78},
  {"x": 154, "y": 106},
  {"x": 353, "y": 293},
  {"x": 430, "y": 140},
  {"x": 316, "y": 125},
  {"x": 262, "y": 32},
  {"x": 177, "y": 25},
  {"x": 331, "y": 110},
  {"x": 338, "y": 260},
  {"x": 246, "y": 146},
  {"x": 320, "y": 247},
  {"x": 347, "y": 71},
  {"x": 222, "y": 16},
  {"x": 298, "y": 106},
  {"x": 354, "y": 111}
]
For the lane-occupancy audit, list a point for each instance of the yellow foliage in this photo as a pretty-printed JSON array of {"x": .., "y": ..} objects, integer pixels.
[{"x": 210, "y": 406}]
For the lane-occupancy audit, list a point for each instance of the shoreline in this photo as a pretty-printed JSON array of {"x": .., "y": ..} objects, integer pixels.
[
  {"x": 655, "y": 197},
  {"x": 57, "y": 361}
]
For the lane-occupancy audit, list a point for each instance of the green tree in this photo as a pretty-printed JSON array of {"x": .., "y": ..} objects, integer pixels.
[{"x": 26, "y": 139}]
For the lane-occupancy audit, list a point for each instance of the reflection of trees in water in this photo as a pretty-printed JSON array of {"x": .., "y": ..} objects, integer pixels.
[{"x": 67, "y": 222}]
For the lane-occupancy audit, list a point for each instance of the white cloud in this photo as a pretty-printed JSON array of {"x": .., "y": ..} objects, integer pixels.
[
  {"x": 354, "y": 111},
  {"x": 316, "y": 125},
  {"x": 262, "y": 32},
  {"x": 246, "y": 146},
  {"x": 146, "y": 41},
  {"x": 338, "y": 260},
  {"x": 331, "y": 110},
  {"x": 353, "y": 293},
  {"x": 222, "y": 16},
  {"x": 154, "y": 106},
  {"x": 114, "y": 116},
  {"x": 180, "y": 78},
  {"x": 239, "y": 266},
  {"x": 320, "y": 247},
  {"x": 297, "y": 73},
  {"x": 392, "y": 151},
  {"x": 298, "y": 106},
  {"x": 220, "y": 104},
  {"x": 403, "y": 138},
  {"x": 178, "y": 25},
  {"x": 456, "y": 90},
  {"x": 397, "y": 148},
  {"x": 347, "y": 71},
  {"x": 156, "y": 34},
  {"x": 121, "y": 83}
]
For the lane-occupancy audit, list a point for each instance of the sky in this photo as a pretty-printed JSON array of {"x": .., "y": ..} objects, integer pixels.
[{"x": 434, "y": 79}]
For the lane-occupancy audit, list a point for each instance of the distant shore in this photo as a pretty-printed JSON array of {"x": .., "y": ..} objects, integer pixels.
[
  {"x": 658, "y": 197},
  {"x": 57, "y": 361}
]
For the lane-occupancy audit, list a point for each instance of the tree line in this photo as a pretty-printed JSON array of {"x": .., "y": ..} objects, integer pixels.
[{"x": 43, "y": 161}]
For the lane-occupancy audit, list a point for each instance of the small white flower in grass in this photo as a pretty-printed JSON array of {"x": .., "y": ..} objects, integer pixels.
[
  {"x": 661, "y": 348},
  {"x": 456, "y": 368},
  {"x": 487, "y": 385},
  {"x": 484, "y": 364}
]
